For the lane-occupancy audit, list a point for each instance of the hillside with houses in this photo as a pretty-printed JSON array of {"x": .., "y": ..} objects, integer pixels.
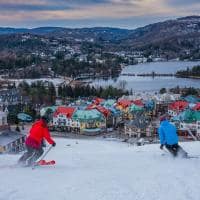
[{"x": 95, "y": 52}]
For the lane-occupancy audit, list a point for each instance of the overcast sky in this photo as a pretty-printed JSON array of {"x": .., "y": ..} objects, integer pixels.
[{"x": 89, "y": 13}]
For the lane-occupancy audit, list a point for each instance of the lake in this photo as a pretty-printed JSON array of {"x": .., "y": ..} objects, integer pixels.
[{"x": 137, "y": 83}]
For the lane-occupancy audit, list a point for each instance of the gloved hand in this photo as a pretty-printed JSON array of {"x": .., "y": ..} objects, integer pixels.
[
  {"x": 161, "y": 146},
  {"x": 54, "y": 144}
]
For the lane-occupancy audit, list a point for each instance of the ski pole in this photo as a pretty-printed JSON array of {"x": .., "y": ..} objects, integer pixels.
[{"x": 44, "y": 155}]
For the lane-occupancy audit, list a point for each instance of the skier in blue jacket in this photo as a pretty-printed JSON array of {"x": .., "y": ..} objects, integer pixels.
[{"x": 169, "y": 138}]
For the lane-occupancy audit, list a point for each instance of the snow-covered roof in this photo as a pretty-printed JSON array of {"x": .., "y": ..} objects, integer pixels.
[{"x": 7, "y": 137}]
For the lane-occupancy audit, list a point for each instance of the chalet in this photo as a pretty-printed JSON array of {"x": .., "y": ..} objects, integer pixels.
[
  {"x": 123, "y": 105},
  {"x": 193, "y": 129},
  {"x": 91, "y": 121},
  {"x": 104, "y": 111},
  {"x": 136, "y": 128},
  {"x": 176, "y": 107},
  {"x": 188, "y": 123},
  {"x": 134, "y": 110},
  {"x": 11, "y": 142},
  {"x": 139, "y": 127},
  {"x": 62, "y": 119}
]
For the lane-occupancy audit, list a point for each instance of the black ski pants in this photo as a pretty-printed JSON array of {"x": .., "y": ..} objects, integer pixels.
[
  {"x": 31, "y": 155},
  {"x": 176, "y": 150}
]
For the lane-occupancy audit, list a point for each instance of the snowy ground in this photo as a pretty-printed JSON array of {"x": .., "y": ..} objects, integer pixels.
[{"x": 104, "y": 170}]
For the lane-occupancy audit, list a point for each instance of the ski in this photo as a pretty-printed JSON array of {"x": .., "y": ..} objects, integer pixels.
[
  {"x": 43, "y": 163},
  {"x": 184, "y": 157},
  {"x": 189, "y": 157}
]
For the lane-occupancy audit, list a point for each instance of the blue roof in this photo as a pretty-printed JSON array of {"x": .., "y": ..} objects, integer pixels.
[
  {"x": 192, "y": 99},
  {"x": 24, "y": 117}
]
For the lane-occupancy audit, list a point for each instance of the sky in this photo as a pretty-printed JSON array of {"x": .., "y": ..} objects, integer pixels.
[{"x": 92, "y": 13}]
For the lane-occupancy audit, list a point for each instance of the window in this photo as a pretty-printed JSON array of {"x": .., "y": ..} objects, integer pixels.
[{"x": 3, "y": 120}]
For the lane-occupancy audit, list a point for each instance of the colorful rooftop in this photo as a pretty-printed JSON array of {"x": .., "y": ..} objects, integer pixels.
[
  {"x": 68, "y": 111},
  {"x": 85, "y": 115}
]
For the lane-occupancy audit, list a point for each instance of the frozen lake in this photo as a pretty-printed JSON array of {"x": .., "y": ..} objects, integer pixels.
[{"x": 137, "y": 83}]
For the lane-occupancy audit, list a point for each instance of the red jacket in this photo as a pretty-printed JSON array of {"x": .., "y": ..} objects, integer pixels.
[{"x": 38, "y": 132}]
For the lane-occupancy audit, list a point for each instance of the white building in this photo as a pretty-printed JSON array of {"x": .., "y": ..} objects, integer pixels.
[{"x": 3, "y": 119}]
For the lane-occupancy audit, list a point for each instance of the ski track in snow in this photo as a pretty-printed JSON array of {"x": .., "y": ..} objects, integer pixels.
[{"x": 103, "y": 170}]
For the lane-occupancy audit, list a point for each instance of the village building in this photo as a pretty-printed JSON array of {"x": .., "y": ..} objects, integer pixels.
[
  {"x": 176, "y": 107},
  {"x": 10, "y": 97},
  {"x": 111, "y": 117},
  {"x": 92, "y": 122},
  {"x": 3, "y": 119},
  {"x": 134, "y": 110},
  {"x": 188, "y": 123},
  {"x": 11, "y": 142},
  {"x": 62, "y": 120},
  {"x": 123, "y": 106},
  {"x": 139, "y": 127}
]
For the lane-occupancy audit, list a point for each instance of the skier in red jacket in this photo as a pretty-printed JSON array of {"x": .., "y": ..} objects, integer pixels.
[{"x": 38, "y": 132}]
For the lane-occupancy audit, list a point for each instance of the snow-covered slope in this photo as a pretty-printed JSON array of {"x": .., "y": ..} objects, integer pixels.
[{"x": 104, "y": 170}]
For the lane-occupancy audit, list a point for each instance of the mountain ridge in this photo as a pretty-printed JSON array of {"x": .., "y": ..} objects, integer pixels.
[{"x": 48, "y": 29}]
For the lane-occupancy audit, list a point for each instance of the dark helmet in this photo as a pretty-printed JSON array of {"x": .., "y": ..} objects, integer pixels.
[{"x": 45, "y": 118}]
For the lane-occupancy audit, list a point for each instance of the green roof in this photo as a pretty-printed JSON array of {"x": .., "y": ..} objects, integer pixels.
[
  {"x": 43, "y": 110},
  {"x": 86, "y": 115},
  {"x": 134, "y": 107},
  {"x": 109, "y": 102},
  {"x": 189, "y": 116}
]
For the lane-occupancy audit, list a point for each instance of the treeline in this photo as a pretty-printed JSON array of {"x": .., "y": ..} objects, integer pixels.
[
  {"x": 39, "y": 92},
  {"x": 44, "y": 93},
  {"x": 194, "y": 72},
  {"x": 72, "y": 67},
  {"x": 90, "y": 91},
  {"x": 183, "y": 91},
  {"x": 15, "y": 42},
  {"x": 13, "y": 61}
]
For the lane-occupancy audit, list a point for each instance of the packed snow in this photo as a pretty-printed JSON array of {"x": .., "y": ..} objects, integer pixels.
[{"x": 104, "y": 170}]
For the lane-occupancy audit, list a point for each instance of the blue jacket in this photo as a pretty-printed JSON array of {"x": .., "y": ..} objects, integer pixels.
[{"x": 167, "y": 133}]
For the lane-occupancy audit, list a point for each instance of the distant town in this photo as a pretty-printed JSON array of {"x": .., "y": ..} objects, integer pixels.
[{"x": 94, "y": 52}]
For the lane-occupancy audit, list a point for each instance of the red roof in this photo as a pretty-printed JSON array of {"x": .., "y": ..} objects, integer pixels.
[
  {"x": 124, "y": 103},
  {"x": 68, "y": 111},
  {"x": 178, "y": 105},
  {"x": 138, "y": 103},
  {"x": 91, "y": 106},
  {"x": 101, "y": 109},
  {"x": 197, "y": 107},
  {"x": 97, "y": 101}
]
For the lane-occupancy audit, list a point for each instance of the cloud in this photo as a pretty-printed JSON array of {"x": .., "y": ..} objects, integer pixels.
[
  {"x": 46, "y": 5},
  {"x": 182, "y": 2},
  {"x": 31, "y": 7},
  {"x": 96, "y": 12}
]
